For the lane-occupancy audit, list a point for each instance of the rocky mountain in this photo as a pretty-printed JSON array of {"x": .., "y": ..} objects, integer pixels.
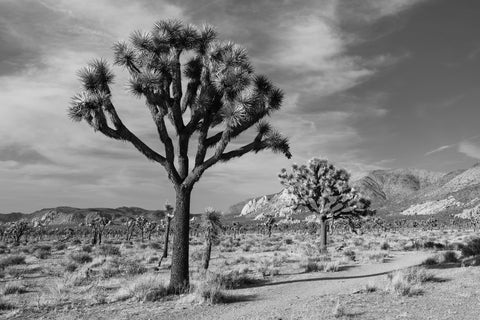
[
  {"x": 75, "y": 216},
  {"x": 404, "y": 192}
]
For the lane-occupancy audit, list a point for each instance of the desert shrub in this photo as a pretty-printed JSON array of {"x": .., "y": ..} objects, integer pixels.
[
  {"x": 246, "y": 247},
  {"x": 471, "y": 248},
  {"x": 407, "y": 282},
  {"x": 210, "y": 289},
  {"x": 71, "y": 267},
  {"x": 41, "y": 253},
  {"x": 196, "y": 255},
  {"x": 449, "y": 257},
  {"x": 349, "y": 253},
  {"x": 81, "y": 257},
  {"x": 60, "y": 246},
  {"x": 4, "y": 305},
  {"x": 109, "y": 250},
  {"x": 378, "y": 257},
  {"x": 76, "y": 242},
  {"x": 87, "y": 248},
  {"x": 14, "y": 288},
  {"x": 288, "y": 241},
  {"x": 11, "y": 261},
  {"x": 143, "y": 246},
  {"x": 153, "y": 259},
  {"x": 134, "y": 268},
  {"x": 155, "y": 245},
  {"x": 431, "y": 261},
  {"x": 234, "y": 279},
  {"x": 143, "y": 288},
  {"x": 385, "y": 246},
  {"x": 312, "y": 266},
  {"x": 18, "y": 271},
  {"x": 110, "y": 270}
]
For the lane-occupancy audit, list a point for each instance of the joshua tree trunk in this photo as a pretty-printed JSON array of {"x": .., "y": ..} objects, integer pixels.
[
  {"x": 323, "y": 234},
  {"x": 99, "y": 237},
  {"x": 94, "y": 240},
  {"x": 179, "y": 278},
  {"x": 206, "y": 257}
]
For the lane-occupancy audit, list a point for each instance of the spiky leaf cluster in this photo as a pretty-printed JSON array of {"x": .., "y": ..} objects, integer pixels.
[
  {"x": 212, "y": 224},
  {"x": 324, "y": 190}
]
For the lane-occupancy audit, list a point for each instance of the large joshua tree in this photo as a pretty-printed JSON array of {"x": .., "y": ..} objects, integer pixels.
[
  {"x": 324, "y": 190},
  {"x": 195, "y": 87}
]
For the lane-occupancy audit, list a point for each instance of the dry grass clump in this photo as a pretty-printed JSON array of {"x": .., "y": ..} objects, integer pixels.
[
  {"x": 321, "y": 266},
  {"x": 14, "y": 288},
  {"x": 408, "y": 282},
  {"x": 210, "y": 289},
  {"x": 147, "y": 287},
  {"x": 380, "y": 257},
  {"x": 81, "y": 257},
  {"x": 5, "y": 305},
  {"x": 12, "y": 260},
  {"x": 109, "y": 250}
]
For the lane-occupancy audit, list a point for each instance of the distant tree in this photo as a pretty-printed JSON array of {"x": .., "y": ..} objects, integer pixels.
[
  {"x": 18, "y": 229},
  {"x": 141, "y": 223},
  {"x": 268, "y": 224},
  {"x": 97, "y": 226},
  {"x": 150, "y": 227},
  {"x": 211, "y": 225},
  {"x": 130, "y": 227},
  {"x": 222, "y": 95},
  {"x": 324, "y": 190}
]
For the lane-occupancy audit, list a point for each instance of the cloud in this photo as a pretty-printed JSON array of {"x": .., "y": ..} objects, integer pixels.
[
  {"x": 22, "y": 155},
  {"x": 470, "y": 149},
  {"x": 439, "y": 149}
]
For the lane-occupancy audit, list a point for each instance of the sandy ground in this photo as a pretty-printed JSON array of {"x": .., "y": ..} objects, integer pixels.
[{"x": 303, "y": 296}]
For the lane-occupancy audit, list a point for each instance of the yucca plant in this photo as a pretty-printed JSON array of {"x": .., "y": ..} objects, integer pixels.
[
  {"x": 211, "y": 225},
  {"x": 324, "y": 190},
  {"x": 222, "y": 98}
]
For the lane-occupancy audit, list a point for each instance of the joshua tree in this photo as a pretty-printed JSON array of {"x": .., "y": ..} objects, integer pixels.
[
  {"x": 141, "y": 223},
  {"x": 18, "y": 229},
  {"x": 150, "y": 227},
  {"x": 167, "y": 220},
  {"x": 269, "y": 223},
  {"x": 130, "y": 226},
  {"x": 98, "y": 225},
  {"x": 324, "y": 190},
  {"x": 222, "y": 94},
  {"x": 211, "y": 225}
]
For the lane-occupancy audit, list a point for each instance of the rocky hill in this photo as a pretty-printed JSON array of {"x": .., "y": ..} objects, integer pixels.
[
  {"x": 75, "y": 216},
  {"x": 396, "y": 192}
]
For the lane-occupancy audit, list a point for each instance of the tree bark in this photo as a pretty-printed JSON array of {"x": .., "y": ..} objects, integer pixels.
[
  {"x": 179, "y": 275},
  {"x": 323, "y": 235},
  {"x": 206, "y": 258}
]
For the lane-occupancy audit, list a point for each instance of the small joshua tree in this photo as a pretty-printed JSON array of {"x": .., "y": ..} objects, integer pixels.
[
  {"x": 211, "y": 225},
  {"x": 141, "y": 223},
  {"x": 150, "y": 227},
  {"x": 98, "y": 225},
  {"x": 130, "y": 227},
  {"x": 324, "y": 190},
  {"x": 168, "y": 220},
  {"x": 269, "y": 223}
]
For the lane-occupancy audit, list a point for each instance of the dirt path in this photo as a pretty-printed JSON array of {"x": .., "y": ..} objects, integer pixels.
[{"x": 288, "y": 297}]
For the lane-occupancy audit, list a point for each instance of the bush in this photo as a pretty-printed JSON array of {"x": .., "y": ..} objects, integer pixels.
[
  {"x": 143, "y": 288},
  {"x": 87, "y": 248},
  {"x": 11, "y": 261},
  {"x": 42, "y": 253},
  {"x": 134, "y": 268},
  {"x": 71, "y": 267},
  {"x": 385, "y": 246},
  {"x": 350, "y": 254},
  {"x": 430, "y": 261},
  {"x": 155, "y": 246},
  {"x": 60, "y": 246},
  {"x": 407, "y": 282},
  {"x": 210, "y": 289},
  {"x": 4, "y": 305},
  {"x": 76, "y": 242},
  {"x": 288, "y": 241},
  {"x": 109, "y": 250},
  {"x": 472, "y": 248},
  {"x": 449, "y": 257},
  {"x": 13, "y": 288},
  {"x": 81, "y": 257}
]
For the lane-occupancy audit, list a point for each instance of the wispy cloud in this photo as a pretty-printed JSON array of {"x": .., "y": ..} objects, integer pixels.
[{"x": 439, "y": 149}]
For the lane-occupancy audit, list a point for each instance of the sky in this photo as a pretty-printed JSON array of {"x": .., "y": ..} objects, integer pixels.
[{"x": 371, "y": 84}]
